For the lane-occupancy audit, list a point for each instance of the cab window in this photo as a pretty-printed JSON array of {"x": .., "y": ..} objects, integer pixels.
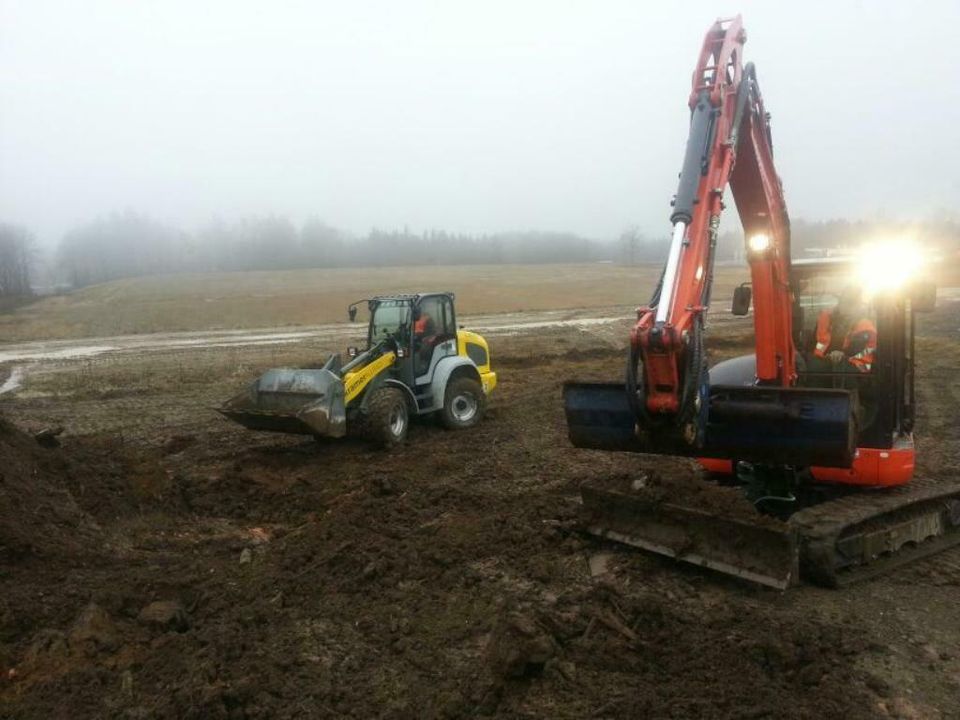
[
  {"x": 817, "y": 295},
  {"x": 436, "y": 317},
  {"x": 390, "y": 319}
]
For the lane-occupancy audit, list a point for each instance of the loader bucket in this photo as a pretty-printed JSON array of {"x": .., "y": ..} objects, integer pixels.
[
  {"x": 288, "y": 400},
  {"x": 765, "y": 552},
  {"x": 782, "y": 426}
]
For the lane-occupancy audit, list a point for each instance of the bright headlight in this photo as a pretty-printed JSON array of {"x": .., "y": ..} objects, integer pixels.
[
  {"x": 888, "y": 264},
  {"x": 758, "y": 243}
]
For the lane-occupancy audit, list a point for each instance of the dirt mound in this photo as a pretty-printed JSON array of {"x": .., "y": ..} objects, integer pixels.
[
  {"x": 681, "y": 482},
  {"x": 39, "y": 517}
]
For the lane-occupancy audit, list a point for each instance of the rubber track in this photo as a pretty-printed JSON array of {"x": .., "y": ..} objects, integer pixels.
[{"x": 820, "y": 526}]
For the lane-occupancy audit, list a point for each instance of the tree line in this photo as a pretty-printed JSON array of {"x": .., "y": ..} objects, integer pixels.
[{"x": 131, "y": 244}]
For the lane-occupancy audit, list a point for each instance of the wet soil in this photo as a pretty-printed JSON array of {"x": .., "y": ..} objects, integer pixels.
[
  {"x": 658, "y": 481},
  {"x": 185, "y": 568}
]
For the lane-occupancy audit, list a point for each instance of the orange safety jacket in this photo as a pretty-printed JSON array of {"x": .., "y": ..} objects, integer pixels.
[
  {"x": 420, "y": 326},
  {"x": 862, "y": 335}
]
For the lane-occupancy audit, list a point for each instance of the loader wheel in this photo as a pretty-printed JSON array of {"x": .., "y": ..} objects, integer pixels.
[
  {"x": 388, "y": 418},
  {"x": 462, "y": 403}
]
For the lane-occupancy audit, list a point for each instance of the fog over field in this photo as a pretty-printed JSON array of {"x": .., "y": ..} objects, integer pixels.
[
  {"x": 351, "y": 365},
  {"x": 472, "y": 118}
]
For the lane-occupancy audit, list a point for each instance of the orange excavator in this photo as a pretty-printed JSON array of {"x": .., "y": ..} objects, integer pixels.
[{"x": 816, "y": 430}]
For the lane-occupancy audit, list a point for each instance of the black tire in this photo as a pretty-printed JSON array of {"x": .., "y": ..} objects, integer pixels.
[
  {"x": 388, "y": 418},
  {"x": 463, "y": 403}
]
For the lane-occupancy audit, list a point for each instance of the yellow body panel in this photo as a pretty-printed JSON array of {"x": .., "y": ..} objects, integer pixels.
[
  {"x": 355, "y": 382},
  {"x": 487, "y": 376}
]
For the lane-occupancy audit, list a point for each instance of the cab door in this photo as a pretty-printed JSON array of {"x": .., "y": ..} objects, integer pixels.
[
  {"x": 434, "y": 336},
  {"x": 392, "y": 319}
]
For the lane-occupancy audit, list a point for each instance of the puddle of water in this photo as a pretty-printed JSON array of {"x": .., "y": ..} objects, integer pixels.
[
  {"x": 14, "y": 382},
  {"x": 540, "y": 324},
  {"x": 68, "y": 353}
]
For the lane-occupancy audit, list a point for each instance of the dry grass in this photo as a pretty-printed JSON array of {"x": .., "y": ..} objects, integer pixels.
[
  {"x": 309, "y": 297},
  {"x": 196, "y": 373}
]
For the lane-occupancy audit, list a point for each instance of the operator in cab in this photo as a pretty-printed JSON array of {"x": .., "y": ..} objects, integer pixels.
[
  {"x": 424, "y": 333},
  {"x": 846, "y": 337}
]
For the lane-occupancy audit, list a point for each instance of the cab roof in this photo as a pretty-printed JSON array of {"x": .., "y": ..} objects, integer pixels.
[{"x": 412, "y": 297}]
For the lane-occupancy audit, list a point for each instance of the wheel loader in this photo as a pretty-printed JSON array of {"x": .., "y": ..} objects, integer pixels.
[
  {"x": 816, "y": 426},
  {"x": 416, "y": 362}
]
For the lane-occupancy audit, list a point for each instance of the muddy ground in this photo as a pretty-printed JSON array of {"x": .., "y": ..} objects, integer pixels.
[{"x": 164, "y": 564}]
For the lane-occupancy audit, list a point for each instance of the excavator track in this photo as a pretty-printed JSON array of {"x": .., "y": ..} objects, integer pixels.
[{"x": 872, "y": 532}]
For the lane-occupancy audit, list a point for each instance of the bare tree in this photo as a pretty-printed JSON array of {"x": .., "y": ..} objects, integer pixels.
[{"x": 16, "y": 244}]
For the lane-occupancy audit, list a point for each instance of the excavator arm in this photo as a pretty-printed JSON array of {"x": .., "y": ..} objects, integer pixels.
[
  {"x": 729, "y": 144},
  {"x": 669, "y": 406}
]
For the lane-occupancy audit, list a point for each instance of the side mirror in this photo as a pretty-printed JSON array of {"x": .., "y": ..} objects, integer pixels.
[
  {"x": 741, "y": 300},
  {"x": 352, "y": 312},
  {"x": 352, "y": 351},
  {"x": 923, "y": 296}
]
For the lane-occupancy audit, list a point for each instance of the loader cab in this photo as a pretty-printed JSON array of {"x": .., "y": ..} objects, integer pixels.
[{"x": 424, "y": 328}]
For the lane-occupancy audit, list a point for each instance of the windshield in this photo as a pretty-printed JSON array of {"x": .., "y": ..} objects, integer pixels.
[
  {"x": 390, "y": 319},
  {"x": 822, "y": 293}
]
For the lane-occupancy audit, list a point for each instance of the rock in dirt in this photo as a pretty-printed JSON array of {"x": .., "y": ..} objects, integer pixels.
[
  {"x": 929, "y": 653},
  {"x": 93, "y": 631},
  {"x": 165, "y": 615},
  {"x": 178, "y": 443},
  {"x": 383, "y": 486},
  {"x": 519, "y": 647},
  {"x": 903, "y": 709},
  {"x": 48, "y": 437},
  {"x": 246, "y": 557},
  {"x": 600, "y": 563}
]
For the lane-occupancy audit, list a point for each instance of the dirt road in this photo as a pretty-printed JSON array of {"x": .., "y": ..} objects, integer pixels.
[{"x": 208, "y": 572}]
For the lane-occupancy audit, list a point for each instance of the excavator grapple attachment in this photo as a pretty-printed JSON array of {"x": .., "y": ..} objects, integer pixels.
[
  {"x": 784, "y": 426},
  {"x": 288, "y": 400}
]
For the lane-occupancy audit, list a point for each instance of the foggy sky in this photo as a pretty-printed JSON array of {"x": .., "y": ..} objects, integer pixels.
[{"x": 472, "y": 117}]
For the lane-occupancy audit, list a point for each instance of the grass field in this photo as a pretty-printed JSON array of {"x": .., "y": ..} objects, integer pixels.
[
  {"x": 309, "y": 297},
  {"x": 233, "y": 301}
]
